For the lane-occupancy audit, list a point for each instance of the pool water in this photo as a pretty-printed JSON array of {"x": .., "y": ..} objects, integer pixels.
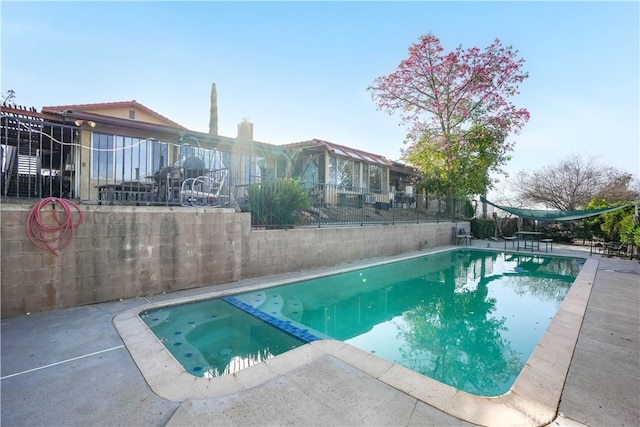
[
  {"x": 211, "y": 338},
  {"x": 468, "y": 318}
]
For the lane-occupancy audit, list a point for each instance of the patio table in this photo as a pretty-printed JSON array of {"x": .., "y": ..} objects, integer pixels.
[{"x": 533, "y": 237}]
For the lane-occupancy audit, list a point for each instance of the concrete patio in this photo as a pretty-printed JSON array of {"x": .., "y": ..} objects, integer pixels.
[{"x": 71, "y": 367}]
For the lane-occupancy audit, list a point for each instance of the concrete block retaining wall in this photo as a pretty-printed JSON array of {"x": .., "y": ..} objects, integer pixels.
[
  {"x": 283, "y": 251},
  {"x": 124, "y": 252}
]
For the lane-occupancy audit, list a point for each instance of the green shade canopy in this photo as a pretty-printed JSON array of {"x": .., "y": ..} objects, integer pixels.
[{"x": 549, "y": 215}]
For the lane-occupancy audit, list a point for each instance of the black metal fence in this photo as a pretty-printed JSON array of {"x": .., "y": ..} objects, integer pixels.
[
  {"x": 333, "y": 205},
  {"x": 40, "y": 158},
  {"x": 34, "y": 158}
]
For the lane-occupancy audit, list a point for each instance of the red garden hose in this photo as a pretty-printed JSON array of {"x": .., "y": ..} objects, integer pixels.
[{"x": 56, "y": 231}]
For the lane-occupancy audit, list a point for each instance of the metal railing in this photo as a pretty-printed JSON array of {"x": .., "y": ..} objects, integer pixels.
[
  {"x": 40, "y": 158},
  {"x": 34, "y": 158},
  {"x": 334, "y": 205}
]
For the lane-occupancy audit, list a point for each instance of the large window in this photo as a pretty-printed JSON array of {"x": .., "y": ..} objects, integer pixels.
[
  {"x": 344, "y": 173},
  {"x": 375, "y": 177},
  {"x": 252, "y": 169},
  {"x": 333, "y": 171},
  {"x": 310, "y": 174},
  {"x": 213, "y": 159},
  {"x": 123, "y": 158}
]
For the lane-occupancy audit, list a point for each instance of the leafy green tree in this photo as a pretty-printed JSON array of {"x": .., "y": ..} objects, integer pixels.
[
  {"x": 613, "y": 222},
  {"x": 613, "y": 226},
  {"x": 630, "y": 230},
  {"x": 464, "y": 173}
]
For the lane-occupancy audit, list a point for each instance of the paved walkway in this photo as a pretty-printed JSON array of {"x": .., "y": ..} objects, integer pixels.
[{"x": 70, "y": 367}]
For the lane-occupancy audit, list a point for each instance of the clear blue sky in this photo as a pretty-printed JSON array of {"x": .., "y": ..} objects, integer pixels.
[{"x": 299, "y": 70}]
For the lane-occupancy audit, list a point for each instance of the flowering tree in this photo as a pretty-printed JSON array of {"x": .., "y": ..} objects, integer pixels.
[{"x": 457, "y": 106}]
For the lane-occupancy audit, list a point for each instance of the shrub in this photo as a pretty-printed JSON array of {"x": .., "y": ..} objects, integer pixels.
[
  {"x": 630, "y": 230},
  {"x": 277, "y": 203},
  {"x": 482, "y": 228},
  {"x": 468, "y": 209},
  {"x": 612, "y": 223}
]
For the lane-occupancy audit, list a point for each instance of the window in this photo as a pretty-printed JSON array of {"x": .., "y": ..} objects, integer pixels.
[
  {"x": 281, "y": 168},
  {"x": 132, "y": 114},
  {"x": 310, "y": 174},
  {"x": 333, "y": 171},
  {"x": 252, "y": 169},
  {"x": 375, "y": 177},
  {"x": 102, "y": 161},
  {"x": 213, "y": 159},
  {"x": 344, "y": 173},
  {"x": 123, "y": 158}
]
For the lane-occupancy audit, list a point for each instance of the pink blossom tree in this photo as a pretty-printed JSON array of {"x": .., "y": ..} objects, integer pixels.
[{"x": 448, "y": 100}]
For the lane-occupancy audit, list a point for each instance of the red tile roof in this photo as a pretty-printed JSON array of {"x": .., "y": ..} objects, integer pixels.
[
  {"x": 342, "y": 150},
  {"x": 104, "y": 105}
]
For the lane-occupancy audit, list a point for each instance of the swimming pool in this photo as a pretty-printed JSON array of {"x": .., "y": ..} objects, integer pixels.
[{"x": 467, "y": 318}]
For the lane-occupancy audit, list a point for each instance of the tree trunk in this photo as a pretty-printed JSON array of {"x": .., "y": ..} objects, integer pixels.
[
  {"x": 484, "y": 207},
  {"x": 451, "y": 208}
]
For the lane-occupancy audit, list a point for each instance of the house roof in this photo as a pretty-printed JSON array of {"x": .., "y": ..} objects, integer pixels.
[
  {"x": 69, "y": 113},
  {"x": 342, "y": 150},
  {"x": 110, "y": 105},
  {"x": 21, "y": 111}
]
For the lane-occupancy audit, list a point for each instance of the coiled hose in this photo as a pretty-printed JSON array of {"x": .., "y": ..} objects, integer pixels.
[{"x": 57, "y": 231}]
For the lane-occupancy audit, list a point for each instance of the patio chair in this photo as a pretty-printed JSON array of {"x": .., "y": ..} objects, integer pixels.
[
  {"x": 464, "y": 236},
  {"x": 616, "y": 248}
]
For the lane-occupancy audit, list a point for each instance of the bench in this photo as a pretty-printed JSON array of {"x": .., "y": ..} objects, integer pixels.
[{"x": 548, "y": 244}]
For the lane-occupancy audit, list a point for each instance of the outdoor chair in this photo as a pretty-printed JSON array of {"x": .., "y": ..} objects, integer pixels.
[
  {"x": 511, "y": 239},
  {"x": 464, "y": 236},
  {"x": 599, "y": 245},
  {"x": 615, "y": 248}
]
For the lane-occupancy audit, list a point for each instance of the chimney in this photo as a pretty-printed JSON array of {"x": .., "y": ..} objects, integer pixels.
[
  {"x": 245, "y": 130},
  {"x": 213, "y": 112}
]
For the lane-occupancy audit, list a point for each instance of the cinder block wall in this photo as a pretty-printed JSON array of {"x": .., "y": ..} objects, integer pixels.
[
  {"x": 282, "y": 251},
  {"x": 119, "y": 252},
  {"x": 124, "y": 252}
]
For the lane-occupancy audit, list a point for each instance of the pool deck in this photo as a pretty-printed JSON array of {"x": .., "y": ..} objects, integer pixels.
[{"x": 78, "y": 366}]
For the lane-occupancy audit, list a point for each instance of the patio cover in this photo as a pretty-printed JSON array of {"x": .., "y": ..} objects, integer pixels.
[{"x": 550, "y": 215}]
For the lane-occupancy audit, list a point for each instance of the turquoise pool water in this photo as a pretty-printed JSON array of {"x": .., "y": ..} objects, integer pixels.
[{"x": 468, "y": 318}]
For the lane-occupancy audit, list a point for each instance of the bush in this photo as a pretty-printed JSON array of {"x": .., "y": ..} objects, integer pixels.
[
  {"x": 482, "y": 228},
  {"x": 277, "y": 203},
  {"x": 613, "y": 223},
  {"x": 468, "y": 209},
  {"x": 630, "y": 231},
  {"x": 560, "y": 232}
]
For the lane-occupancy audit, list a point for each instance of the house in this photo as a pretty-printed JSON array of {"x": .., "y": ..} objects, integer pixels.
[
  {"x": 346, "y": 176},
  {"x": 124, "y": 152}
]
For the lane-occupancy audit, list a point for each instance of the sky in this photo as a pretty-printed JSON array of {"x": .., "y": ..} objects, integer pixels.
[{"x": 300, "y": 70}]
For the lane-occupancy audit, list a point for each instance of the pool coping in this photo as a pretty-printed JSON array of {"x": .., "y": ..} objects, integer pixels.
[{"x": 532, "y": 400}]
